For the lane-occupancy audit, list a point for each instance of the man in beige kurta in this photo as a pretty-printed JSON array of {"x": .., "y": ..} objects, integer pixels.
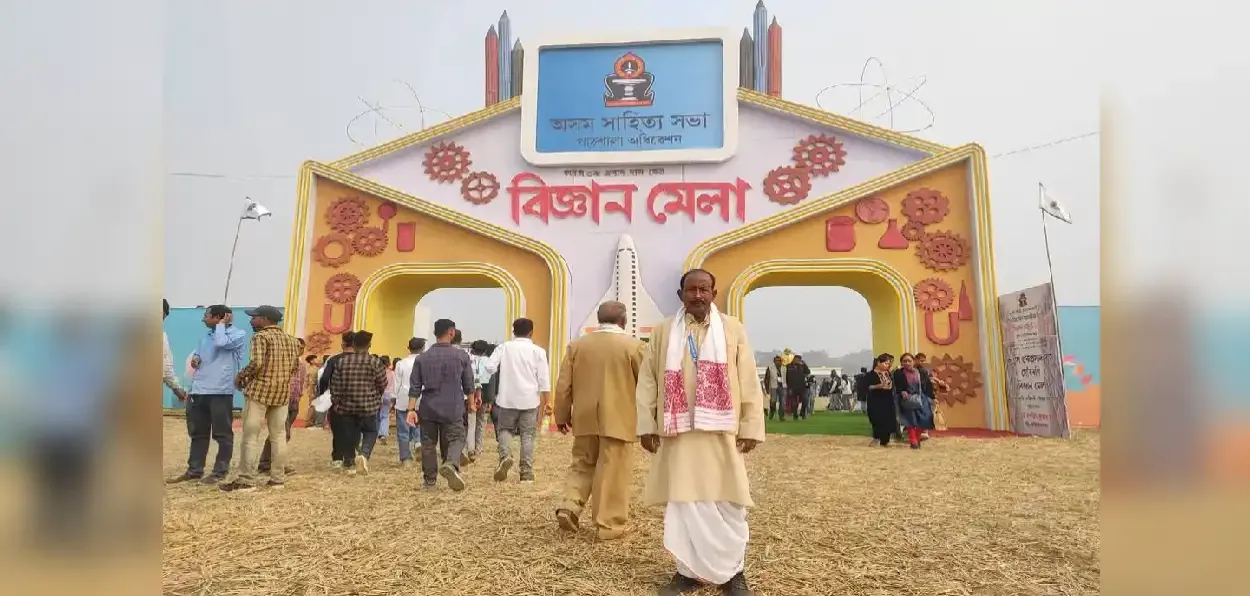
[
  {"x": 595, "y": 401},
  {"x": 700, "y": 475}
]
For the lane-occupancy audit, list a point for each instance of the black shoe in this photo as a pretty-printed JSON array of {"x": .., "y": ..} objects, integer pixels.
[
  {"x": 237, "y": 487},
  {"x": 212, "y": 479},
  {"x": 915, "y": 445},
  {"x": 184, "y": 477},
  {"x": 736, "y": 586},
  {"x": 680, "y": 584},
  {"x": 275, "y": 484}
]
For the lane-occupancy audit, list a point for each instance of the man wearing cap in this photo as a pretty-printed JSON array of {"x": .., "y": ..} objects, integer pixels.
[
  {"x": 266, "y": 385},
  {"x": 210, "y": 404}
]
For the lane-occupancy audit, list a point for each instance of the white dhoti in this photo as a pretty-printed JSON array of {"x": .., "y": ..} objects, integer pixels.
[{"x": 707, "y": 538}]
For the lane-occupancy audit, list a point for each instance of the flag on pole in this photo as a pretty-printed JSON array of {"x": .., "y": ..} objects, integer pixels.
[
  {"x": 254, "y": 210},
  {"x": 1053, "y": 208}
]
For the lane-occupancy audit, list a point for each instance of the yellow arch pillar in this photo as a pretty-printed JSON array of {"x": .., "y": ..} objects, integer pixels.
[{"x": 885, "y": 289}]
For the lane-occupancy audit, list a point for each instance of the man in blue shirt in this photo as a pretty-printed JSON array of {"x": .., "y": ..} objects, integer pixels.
[{"x": 210, "y": 404}]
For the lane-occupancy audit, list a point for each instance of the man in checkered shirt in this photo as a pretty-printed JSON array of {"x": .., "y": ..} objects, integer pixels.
[
  {"x": 356, "y": 390},
  {"x": 266, "y": 383}
]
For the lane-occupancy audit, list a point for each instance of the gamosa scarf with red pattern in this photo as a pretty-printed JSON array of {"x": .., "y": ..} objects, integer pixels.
[{"x": 713, "y": 400}]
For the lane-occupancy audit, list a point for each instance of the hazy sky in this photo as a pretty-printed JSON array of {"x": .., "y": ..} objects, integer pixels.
[{"x": 252, "y": 89}]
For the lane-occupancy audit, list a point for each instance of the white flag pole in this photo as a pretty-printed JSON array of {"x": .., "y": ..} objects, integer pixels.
[
  {"x": 1050, "y": 266},
  {"x": 225, "y": 298},
  {"x": 1054, "y": 298}
]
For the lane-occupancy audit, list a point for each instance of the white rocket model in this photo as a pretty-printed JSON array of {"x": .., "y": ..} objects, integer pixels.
[{"x": 627, "y": 289}]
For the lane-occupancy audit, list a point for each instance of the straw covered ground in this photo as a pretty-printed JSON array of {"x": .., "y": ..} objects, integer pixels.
[{"x": 1012, "y": 517}]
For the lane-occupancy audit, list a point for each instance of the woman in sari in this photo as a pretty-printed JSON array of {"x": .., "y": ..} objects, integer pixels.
[{"x": 914, "y": 390}]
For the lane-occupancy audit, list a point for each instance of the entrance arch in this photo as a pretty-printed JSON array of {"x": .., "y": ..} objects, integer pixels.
[
  {"x": 916, "y": 244},
  {"x": 388, "y": 295},
  {"x": 888, "y": 293},
  {"x": 363, "y": 254}
]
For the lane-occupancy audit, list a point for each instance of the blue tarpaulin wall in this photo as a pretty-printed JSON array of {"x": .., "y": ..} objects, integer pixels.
[{"x": 185, "y": 330}]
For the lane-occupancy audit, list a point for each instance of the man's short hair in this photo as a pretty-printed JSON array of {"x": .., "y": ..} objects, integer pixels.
[
  {"x": 479, "y": 346},
  {"x": 165, "y": 306},
  {"x": 349, "y": 337},
  {"x": 522, "y": 327},
  {"x": 442, "y": 326},
  {"x": 219, "y": 310},
  {"x": 681, "y": 284},
  {"x": 416, "y": 344},
  {"x": 362, "y": 339}
]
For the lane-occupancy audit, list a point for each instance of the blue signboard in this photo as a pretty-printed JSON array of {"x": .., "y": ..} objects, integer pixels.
[{"x": 631, "y": 97}]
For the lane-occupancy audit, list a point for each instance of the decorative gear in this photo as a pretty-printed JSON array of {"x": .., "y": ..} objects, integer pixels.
[
  {"x": 342, "y": 287},
  {"x": 323, "y": 243},
  {"x": 933, "y": 294},
  {"x": 943, "y": 251},
  {"x": 369, "y": 242},
  {"x": 926, "y": 206},
  {"x": 347, "y": 214},
  {"x": 872, "y": 210},
  {"x": 820, "y": 154},
  {"x": 447, "y": 162},
  {"x": 960, "y": 376},
  {"x": 479, "y": 188},
  {"x": 788, "y": 185},
  {"x": 317, "y": 342},
  {"x": 913, "y": 231}
]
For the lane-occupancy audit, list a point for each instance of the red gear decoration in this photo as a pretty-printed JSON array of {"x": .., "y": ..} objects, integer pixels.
[
  {"x": 872, "y": 210},
  {"x": 347, "y": 214},
  {"x": 479, "y": 188},
  {"x": 370, "y": 242},
  {"x": 324, "y": 242},
  {"x": 317, "y": 342},
  {"x": 913, "y": 231},
  {"x": 788, "y": 185},
  {"x": 820, "y": 154},
  {"x": 926, "y": 206},
  {"x": 447, "y": 162},
  {"x": 943, "y": 251},
  {"x": 933, "y": 294},
  {"x": 342, "y": 287},
  {"x": 960, "y": 376}
]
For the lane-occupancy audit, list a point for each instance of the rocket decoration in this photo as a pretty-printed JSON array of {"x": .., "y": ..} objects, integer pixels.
[
  {"x": 759, "y": 58},
  {"x": 626, "y": 287}
]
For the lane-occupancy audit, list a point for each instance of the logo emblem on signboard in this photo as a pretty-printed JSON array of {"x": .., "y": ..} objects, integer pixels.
[
  {"x": 1024, "y": 300},
  {"x": 629, "y": 85}
]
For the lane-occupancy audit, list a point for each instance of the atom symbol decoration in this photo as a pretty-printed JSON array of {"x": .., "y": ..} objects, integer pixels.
[
  {"x": 883, "y": 98},
  {"x": 401, "y": 113}
]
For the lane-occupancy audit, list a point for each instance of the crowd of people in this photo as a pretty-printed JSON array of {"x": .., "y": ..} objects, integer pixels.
[
  {"x": 690, "y": 397},
  {"x": 900, "y": 400}
]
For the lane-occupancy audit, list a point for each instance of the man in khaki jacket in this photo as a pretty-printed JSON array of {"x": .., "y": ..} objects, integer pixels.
[{"x": 595, "y": 400}]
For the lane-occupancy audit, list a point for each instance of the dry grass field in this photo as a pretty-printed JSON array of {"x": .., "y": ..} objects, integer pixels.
[{"x": 1013, "y": 516}]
